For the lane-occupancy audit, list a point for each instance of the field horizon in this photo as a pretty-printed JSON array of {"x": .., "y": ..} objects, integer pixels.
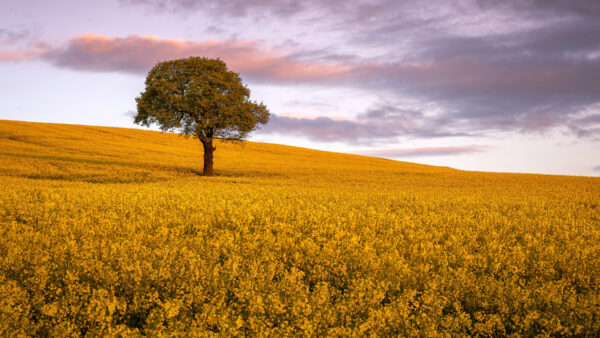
[
  {"x": 240, "y": 144},
  {"x": 171, "y": 141},
  {"x": 113, "y": 231}
]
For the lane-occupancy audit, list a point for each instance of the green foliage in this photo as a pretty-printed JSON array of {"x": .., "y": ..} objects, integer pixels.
[{"x": 199, "y": 96}]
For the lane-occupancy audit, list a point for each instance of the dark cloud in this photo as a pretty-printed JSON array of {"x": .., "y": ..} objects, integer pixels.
[
  {"x": 585, "y": 8},
  {"x": 587, "y": 126},
  {"x": 592, "y": 119},
  {"x": 231, "y": 7},
  {"x": 326, "y": 129},
  {"x": 10, "y": 36},
  {"x": 386, "y": 112},
  {"x": 531, "y": 79},
  {"x": 381, "y": 124},
  {"x": 597, "y": 168},
  {"x": 424, "y": 151}
]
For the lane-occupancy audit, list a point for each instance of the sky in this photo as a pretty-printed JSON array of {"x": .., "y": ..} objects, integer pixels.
[{"x": 507, "y": 86}]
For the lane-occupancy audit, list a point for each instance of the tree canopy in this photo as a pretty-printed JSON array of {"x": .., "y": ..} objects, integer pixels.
[{"x": 199, "y": 96}]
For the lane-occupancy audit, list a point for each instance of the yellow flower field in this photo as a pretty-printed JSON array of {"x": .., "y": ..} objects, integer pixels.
[{"x": 108, "y": 231}]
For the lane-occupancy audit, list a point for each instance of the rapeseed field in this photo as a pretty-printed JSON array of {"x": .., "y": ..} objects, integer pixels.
[{"x": 108, "y": 231}]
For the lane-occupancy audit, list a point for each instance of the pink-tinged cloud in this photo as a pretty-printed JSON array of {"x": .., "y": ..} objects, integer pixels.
[
  {"x": 137, "y": 54},
  {"x": 424, "y": 151},
  {"x": 20, "y": 55}
]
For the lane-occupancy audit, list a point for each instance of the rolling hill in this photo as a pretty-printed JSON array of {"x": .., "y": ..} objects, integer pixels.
[{"x": 108, "y": 231}]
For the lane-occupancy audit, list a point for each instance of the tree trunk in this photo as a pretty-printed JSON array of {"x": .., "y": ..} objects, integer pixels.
[{"x": 208, "y": 157}]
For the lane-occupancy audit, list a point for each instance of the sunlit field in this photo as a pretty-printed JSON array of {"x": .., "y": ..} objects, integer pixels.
[{"x": 107, "y": 231}]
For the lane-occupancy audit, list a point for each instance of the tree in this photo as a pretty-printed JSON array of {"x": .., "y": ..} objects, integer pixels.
[{"x": 199, "y": 96}]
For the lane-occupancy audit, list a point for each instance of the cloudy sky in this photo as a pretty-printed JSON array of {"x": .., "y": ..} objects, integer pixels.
[{"x": 510, "y": 86}]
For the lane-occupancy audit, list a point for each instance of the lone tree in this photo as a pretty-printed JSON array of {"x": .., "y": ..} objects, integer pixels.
[{"x": 199, "y": 96}]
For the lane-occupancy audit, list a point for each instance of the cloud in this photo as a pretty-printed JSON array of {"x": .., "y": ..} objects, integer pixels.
[
  {"x": 20, "y": 55},
  {"x": 138, "y": 54},
  {"x": 381, "y": 124},
  {"x": 486, "y": 66},
  {"x": 234, "y": 8},
  {"x": 531, "y": 79},
  {"x": 21, "y": 40},
  {"x": 597, "y": 168},
  {"x": 490, "y": 89},
  {"x": 389, "y": 122},
  {"x": 10, "y": 36},
  {"x": 526, "y": 94},
  {"x": 560, "y": 7},
  {"x": 424, "y": 151},
  {"x": 326, "y": 129}
]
